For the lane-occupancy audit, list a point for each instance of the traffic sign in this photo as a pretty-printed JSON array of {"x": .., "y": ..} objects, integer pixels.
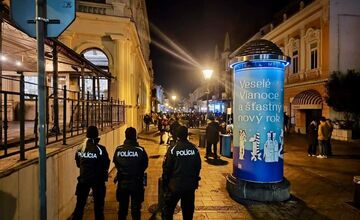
[{"x": 59, "y": 15}]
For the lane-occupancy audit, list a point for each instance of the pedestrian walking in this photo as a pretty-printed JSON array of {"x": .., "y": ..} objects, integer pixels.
[
  {"x": 147, "y": 121},
  {"x": 212, "y": 137},
  {"x": 181, "y": 170},
  {"x": 131, "y": 161},
  {"x": 286, "y": 123},
  {"x": 93, "y": 161},
  {"x": 331, "y": 128},
  {"x": 323, "y": 135},
  {"x": 312, "y": 138}
]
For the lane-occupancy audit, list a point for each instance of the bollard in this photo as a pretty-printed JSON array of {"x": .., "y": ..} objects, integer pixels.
[{"x": 202, "y": 139}]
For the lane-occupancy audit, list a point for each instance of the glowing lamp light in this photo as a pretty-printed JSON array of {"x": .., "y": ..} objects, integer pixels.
[
  {"x": 207, "y": 73},
  {"x": 3, "y": 58},
  {"x": 173, "y": 97},
  {"x": 18, "y": 63}
]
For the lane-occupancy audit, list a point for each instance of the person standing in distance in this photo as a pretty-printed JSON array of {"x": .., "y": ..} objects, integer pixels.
[
  {"x": 93, "y": 161},
  {"x": 181, "y": 175},
  {"x": 212, "y": 137},
  {"x": 131, "y": 161}
]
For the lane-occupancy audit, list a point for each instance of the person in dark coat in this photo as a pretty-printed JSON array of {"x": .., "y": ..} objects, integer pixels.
[
  {"x": 181, "y": 175},
  {"x": 147, "y": 121},
  {"x": 212, "y": 137},
  {"x": 131, "y": 161},
  {"x": 93, "y": 161},
  {"x": 312, "y": 141},
  {"x": 174, "y": 127}
]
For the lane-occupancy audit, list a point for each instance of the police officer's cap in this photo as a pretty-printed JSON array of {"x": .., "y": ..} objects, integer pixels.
[
  {"x": 92, "y": 132},
  {"x": 130, "y": 133},
  {"x": 182, "y": 132}
]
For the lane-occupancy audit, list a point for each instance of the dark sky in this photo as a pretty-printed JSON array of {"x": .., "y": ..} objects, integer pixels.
[{"x": 197, "y": 26}]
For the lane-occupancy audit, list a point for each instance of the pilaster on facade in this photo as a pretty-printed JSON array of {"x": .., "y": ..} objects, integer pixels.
[{"x": 302, "y": 50}]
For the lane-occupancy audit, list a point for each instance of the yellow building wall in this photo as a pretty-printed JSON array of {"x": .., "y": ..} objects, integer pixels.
[{"x": 117, "y": 37}]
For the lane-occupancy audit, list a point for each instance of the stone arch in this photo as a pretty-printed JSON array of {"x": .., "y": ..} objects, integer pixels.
[
  {"x": 88, "y": 45},
  {"x": 100, "y": 53}
]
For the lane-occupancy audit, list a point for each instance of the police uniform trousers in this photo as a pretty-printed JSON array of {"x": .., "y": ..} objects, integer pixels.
[
  {"x": 82, "y": 192},
  {"x": 187, "y": 199},
  {"x": 124, "y": 195}
]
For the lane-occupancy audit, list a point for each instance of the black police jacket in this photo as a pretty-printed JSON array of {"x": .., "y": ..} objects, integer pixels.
[
  {"x": 181, "y": 167},
  {"x": 131, "y": 161},
  {"x": 93, "y": 161}
]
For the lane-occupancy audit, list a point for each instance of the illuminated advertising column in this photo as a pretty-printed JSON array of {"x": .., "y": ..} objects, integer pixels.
[
  {"x": 258, "y": 108},
  {"x": 258, "y": 121}
]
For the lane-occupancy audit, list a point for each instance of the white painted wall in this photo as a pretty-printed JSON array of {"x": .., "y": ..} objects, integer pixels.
[
  {"x": 344, "y": 34},
  {"x": 19, "y": 191}
]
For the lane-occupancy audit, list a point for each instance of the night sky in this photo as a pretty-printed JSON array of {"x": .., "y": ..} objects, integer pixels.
[{"x": 197, "y": 26}]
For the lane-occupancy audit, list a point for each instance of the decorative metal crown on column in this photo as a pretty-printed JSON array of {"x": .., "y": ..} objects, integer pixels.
[{"x": 259, "y": 50}]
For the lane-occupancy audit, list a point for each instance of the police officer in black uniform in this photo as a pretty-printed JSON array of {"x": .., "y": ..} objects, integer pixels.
[
  {"x": 181, "y": 175},
  {"x": 131, "y": 161},
  {"x": 93, "y": 161}
]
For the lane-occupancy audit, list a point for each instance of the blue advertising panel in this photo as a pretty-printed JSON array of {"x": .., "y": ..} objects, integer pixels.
[{"x": 258, "y": 121}]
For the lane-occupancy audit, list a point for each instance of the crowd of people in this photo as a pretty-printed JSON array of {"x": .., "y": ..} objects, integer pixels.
[
  {"x": 319, "y": 137},
  {"x": 167, "y": 123}
]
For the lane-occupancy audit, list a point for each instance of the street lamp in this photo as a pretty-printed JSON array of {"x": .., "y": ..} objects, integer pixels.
[
  {"x": 173, "y": 98},
  {"x": 207, "y": 75}
]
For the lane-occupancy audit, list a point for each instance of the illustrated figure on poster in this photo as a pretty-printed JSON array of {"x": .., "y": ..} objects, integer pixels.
[
  {"x": 271, "y": 148},
  {"x": 242, "y": 144},
  {"x": 255, "y": 154},
  {"x": 281, "y": 143}
]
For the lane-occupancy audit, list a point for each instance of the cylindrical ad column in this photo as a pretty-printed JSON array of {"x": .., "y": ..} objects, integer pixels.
[{"x": 258, "y": 110}]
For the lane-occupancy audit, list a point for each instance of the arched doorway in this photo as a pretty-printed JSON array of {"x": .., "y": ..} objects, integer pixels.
[
  {"x": 98, "y": 87},
  {"x": 306, "y": 106}
]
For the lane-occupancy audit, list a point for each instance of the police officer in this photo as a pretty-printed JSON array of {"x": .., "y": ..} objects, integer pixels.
[
  {"x": 181, "y": 170},
  {"x": 131, "y": 161},
  {"x": 93, "y": 161}
]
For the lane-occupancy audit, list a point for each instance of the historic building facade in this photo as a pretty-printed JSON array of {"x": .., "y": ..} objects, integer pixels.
[
  {"x": 320, "y": 37},
  {"x": 119, "y": 30}
]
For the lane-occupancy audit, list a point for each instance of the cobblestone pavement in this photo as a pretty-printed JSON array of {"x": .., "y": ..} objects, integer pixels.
[{"x": 320, "y": 188}]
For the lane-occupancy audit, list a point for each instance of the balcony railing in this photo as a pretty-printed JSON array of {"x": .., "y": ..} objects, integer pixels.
[
  {"x": 303, "y": 77},
  {"x": 94, "y": 8},
  {"x": 19, "y": 131}
]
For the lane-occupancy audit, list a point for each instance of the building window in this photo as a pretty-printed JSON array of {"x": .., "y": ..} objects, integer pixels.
[
  {"x": 312, "y": 40},
  {"x": 104, "y": 88},
  {"x": 31, "y": 86},
  {"x": 313, "y": 56},
  {"x": 99, "y": 59},
  {"x": 293, "y": 51},
  {"x": 295, "y": 61}
]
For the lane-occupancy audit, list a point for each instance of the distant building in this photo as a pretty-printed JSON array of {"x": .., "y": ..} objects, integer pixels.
[
  {"x": 320, "y": 37},
  {"x": 218, "y": 90}
]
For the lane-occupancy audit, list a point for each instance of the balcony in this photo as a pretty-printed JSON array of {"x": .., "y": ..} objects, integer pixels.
[
  {"x": 114, "y": 9},
  {"x": 309, "y": 75}
]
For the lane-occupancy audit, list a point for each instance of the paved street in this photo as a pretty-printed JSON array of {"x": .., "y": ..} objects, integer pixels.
[{"x": 320, "y": 188}]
